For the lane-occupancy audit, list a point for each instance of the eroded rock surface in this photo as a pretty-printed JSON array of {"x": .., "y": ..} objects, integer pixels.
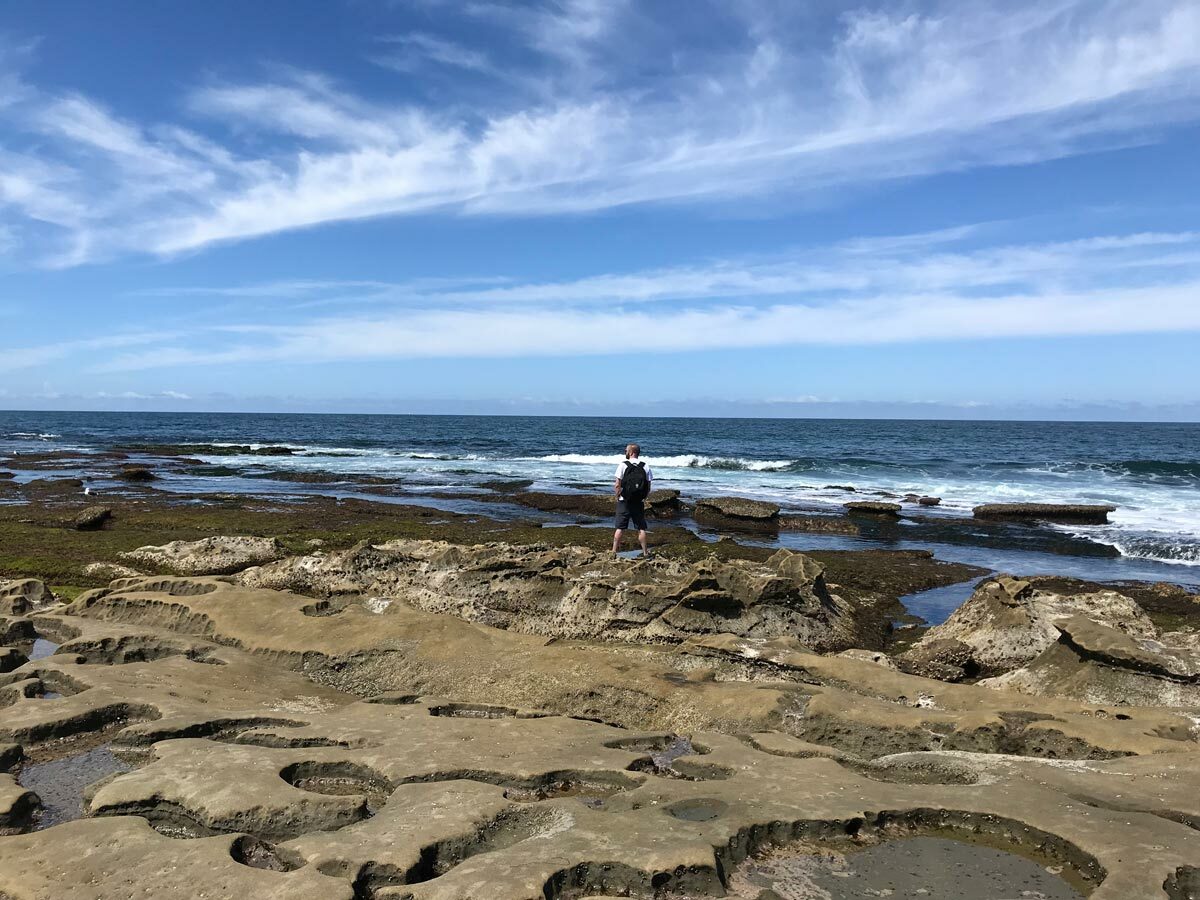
[
  {"x": 425, "y": 766},
  {"x": 208, "y": 556},
  {"x": 1009, "y": 621},
  {"x": 1093, "y": 662},
  {"x": 575, "y": 592}
]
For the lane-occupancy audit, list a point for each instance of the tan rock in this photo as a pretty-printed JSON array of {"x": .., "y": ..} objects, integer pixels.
[
  {"x": 1007, "y": 621},
  {"x": 208, "y": 556}
]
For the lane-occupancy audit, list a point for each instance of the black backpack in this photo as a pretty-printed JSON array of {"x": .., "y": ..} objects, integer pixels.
[{"x": 634, "y": 483}]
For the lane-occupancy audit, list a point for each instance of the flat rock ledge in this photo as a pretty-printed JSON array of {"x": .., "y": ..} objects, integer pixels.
[
  {"x": 1066, "y": 513},
  {"x": 874, "y": 508},
  {"x": 572, "y": 592},
  {"x": 737, "y": 513}
]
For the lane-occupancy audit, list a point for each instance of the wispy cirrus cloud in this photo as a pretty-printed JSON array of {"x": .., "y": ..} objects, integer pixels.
[
  {"x": 887, "y": 291},
  {"x": 885, "y": 96}
]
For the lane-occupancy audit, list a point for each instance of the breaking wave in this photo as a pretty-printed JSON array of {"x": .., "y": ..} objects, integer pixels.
[{"x": 727, "y": 464}]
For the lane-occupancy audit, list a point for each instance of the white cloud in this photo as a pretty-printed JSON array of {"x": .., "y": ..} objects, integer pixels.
[
  {"x": 919, "y": 263},
  {"x": 14, "y": 358},
  {"x": 887, "y": 96},
  {"x": 906, "y": 290}
]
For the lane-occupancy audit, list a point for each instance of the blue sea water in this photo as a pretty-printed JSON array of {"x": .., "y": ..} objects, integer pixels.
[{"x": 1150, "y": 472}]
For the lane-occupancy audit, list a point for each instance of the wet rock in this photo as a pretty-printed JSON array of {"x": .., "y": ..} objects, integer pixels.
[
  {"x": 588, "y": 504},
  {"x": 18, "y": 597},
  {"x": 929, "y": 501},
  {"x": 17, "y": 805},
  {"x": 818, "y": 524},
  {"x": 208, "y": 556},
  {"x": 1008, "y": 621},
  {"x": 11, "y": 658},
  {"x": 136, "y": 474},
  {"x": 1068, "y": 513},
  {"x": 874, "y": 508},
  {"x": 52, "y": 488},
  {"x": 737, "y": 513},
  {"x": 506, "y": 486},
  {"x": 91, "y": 518},
  {"x": 190, "y": 450},
  {"x": 7, "y": 475},
  {"x": 663, "y": 503},
  {"x": 10, "y": 756}
]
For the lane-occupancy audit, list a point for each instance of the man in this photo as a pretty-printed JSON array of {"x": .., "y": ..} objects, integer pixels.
[{"x": 631, "y": 488}]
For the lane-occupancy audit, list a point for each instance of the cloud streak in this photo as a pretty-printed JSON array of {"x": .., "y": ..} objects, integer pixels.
[
  {"x": 886, "y": 96},
  {"x": 880, "y": 292}
]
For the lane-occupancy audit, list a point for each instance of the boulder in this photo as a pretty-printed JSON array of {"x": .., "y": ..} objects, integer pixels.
[
  {"x": 874, "y": 508},
  {"x": 1009, "y": 621},
  {"x": 18, "y": 597},
  {"x": 929, "y": 501},
  {"x": 871, "y": 656},
  {"x": 91, "y": 518},
  {"x": 5, "y": 475},
  {"x": 110, "y": 571},
  {"x": 1067, "y": 513},
  {"x": 208, "y": 556},
  {"x": 944, "y": 659},
  {"x": 737, "y": 513},
  {"x": 663, "y": 503},
  {"x": 136, "y": 473}
]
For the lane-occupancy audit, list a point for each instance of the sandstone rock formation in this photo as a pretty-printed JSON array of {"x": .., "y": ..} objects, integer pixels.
[
  {"x": 1008, "y": 621},
  {"x": 207, "y": 556},
  {"x": 737, "y": 513},
  {"x": 1069, "y": 513},
  {"x": 292, "y": 747},
  {"x": 574, "y": 592},
  {"x": 22, "y": 595},
  {"x": 1097, "y": 663}
]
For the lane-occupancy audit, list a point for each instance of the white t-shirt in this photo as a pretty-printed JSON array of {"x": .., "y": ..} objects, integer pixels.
[{"x": 621, "y": 471}]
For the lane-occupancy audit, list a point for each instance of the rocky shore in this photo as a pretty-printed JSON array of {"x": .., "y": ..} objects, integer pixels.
[{"x": 334, "y": 698}]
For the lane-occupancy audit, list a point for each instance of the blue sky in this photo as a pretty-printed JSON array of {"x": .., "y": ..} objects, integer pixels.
[{"x": 959, "y": 209}]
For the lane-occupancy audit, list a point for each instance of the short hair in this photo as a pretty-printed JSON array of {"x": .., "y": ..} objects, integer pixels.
[{"x": 633, "y": 450}]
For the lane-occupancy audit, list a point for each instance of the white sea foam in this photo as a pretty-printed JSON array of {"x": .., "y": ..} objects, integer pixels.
[
  {"x": 685, "y": 461},
  {"x": 33, "y": 436}
]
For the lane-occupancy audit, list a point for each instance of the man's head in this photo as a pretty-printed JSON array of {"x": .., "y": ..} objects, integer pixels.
[{"x": 633, "y": 451}]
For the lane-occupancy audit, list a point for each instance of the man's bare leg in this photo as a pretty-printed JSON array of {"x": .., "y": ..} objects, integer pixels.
[
  {"x": 642, "y": 541},
  {"x": 617, "y": 541}
]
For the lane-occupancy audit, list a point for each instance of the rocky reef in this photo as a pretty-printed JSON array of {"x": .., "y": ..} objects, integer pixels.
[
  {"x": 438, "y": 718},
  {"x": 578, "y": 593}
]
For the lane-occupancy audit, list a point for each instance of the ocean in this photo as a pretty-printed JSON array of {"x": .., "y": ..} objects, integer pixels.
[{"x": 1150, "y": 472}]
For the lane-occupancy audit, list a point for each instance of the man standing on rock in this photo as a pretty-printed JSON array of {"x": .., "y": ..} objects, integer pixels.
[{"x": 631, "y": 489}]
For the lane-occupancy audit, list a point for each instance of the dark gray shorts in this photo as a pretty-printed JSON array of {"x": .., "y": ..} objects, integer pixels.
[{"x": 634, "y": 510}]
